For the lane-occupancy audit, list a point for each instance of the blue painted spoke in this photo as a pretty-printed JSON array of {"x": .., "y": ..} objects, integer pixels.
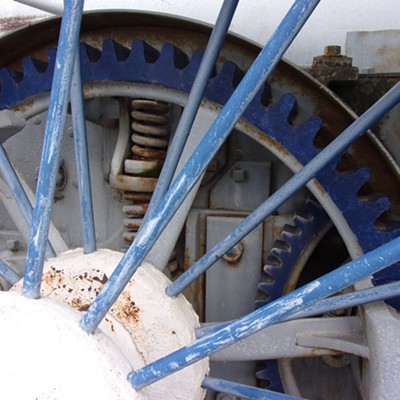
[
  {"x": 269, "y": 314},
  {"x": 67, "y": 49},
  {"x": 335, "y": 148},
  {"x": 8, "y": 273},
  {"x": 14, "y": 184},
  {"x": 244, "y": 391},
  {"x": 344, "y": 301},
  {"x": 197, "y": 164},
  {"x": 82, "y": 160},
  {"x": 193, "y": 102}
]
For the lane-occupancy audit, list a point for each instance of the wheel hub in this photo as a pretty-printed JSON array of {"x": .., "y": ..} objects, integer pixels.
[{"x": 143, "y": 325}]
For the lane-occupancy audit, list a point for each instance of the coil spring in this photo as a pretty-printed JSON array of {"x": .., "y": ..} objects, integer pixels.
[{"x": 150, "y": 136}]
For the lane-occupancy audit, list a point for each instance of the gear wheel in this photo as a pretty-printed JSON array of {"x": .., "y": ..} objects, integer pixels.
[{"x": 171, "y": 68}]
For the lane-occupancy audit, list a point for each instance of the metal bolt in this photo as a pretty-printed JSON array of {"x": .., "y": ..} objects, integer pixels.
[
  {"x": 13, "y": 244},
  {"x": 332, "y": 51},
  {"x": 234, "y": 254},
  {"x": 238, "y": 175}
]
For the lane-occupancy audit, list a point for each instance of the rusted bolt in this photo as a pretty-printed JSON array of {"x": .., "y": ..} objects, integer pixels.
[
  {"x": 234, "y": 254},
  {"x": 332, "y": 51},
  {"x": 13, "y": 244},
  {"x": 238, "y": 175}
]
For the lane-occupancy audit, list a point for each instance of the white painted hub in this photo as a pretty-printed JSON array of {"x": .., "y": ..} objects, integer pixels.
[{"x": 45, "y": 355}]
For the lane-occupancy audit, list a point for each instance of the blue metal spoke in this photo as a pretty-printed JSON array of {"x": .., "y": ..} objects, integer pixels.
[
  {"x": 8, "y": 273},
  {"x": 334, "y": 149},
  {"x": 67, "y": 49},
  {"x": 82, "y": 160},
  {"x": 269, "y": 314},
  {"x": 14, "y": 184},
  {"x": 340, "y": 302},
  {"x": 193, "y": 102},
  {"x": 244, "y": 391},
  {"x": 197, "y": 164}
]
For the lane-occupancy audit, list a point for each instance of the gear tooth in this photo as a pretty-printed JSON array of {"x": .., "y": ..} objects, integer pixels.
[
  {"x": 114, "y": 50},
  {"x": 142, "y": 51},
  {"x": 37, "y": 76},
  {"x": 345, "y": 187},
  {"x": 307, "y": 131},
  {"x": 372, "y": 207},
  {"x": 272, "y": 262},
  {"x": 289, "y": 231},
  {"x": 281, "y": 245},
  {"x": 193, "y": 66},
  {"x": 88, "y": 58},
  {"x": 170, "y": 68},
  {"x": 284, "y": 108},
  {"x": 269, "y": 376},
  {"x": 9, "y": 84},
  {"x": 255, "y": 111},
  {"x": 171, "y": 53},
  {"x": 109, "y": 65},
  {"x": 9, "y": 75},
  {"x": 362, "y": 216},
  {"x": 33, "y": 66},
  {"x": 258, "y": 303},
  {"x": 224, "y": 83},
  {"x": 91, "y": 54}
]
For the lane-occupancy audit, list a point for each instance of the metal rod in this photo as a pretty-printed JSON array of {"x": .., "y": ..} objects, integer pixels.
[
  {"x": 244, "y": 391},
  {"x": 67, "y": 49},
  {"x": 269, "y": 314},
  {"x": 80, "y": 138},
  {"x": 193, "y": 103},
  {"x": 8, "y": 273},
  {"x": 340, "y": 302},
  {"x": 197, "y": 164},
  {"x": 334, "y": 149},
  {"x": 14, "y": 184},
  {"x": 82, "y": 159}
]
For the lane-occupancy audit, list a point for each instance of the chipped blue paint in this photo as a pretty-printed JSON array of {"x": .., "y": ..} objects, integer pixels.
[
  {"x": 329, "y": 153},
  {"x": 269, "y": 314},
  {"x": 340, "y": 302},
  {"x": 67, "y": 49},
  {"x": 193, "y": 103},
  {"x": 197, "y": 164}
]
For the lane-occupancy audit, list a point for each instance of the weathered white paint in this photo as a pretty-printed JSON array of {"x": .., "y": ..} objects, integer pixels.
[
  {"x": 144, "y": 325},
  {"x": 257, "y": 19}
]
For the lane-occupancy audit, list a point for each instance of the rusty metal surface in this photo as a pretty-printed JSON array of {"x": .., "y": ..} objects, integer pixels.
[{"x": 312, "y": 97}]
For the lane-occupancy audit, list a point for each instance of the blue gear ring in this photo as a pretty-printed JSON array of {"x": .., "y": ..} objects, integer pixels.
[
  {"x": 171, "y": 68},
  {"x": 279, "y": 265}
]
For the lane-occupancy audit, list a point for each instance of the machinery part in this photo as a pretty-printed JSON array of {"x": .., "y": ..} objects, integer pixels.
[
  {"x": 74, "y": 279},
  {"x": 150, "y": 137},
  {"x": 286, "y": 261},
  {"x": 280, "y": 117}
]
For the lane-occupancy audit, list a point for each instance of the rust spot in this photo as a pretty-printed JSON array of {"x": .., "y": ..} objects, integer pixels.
[
  {"x": 84, "y": 307},
  {"x": 126, "y": 310},
  {"x": 13, "y": 23},
  {"x": 102, "y": 280}
]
